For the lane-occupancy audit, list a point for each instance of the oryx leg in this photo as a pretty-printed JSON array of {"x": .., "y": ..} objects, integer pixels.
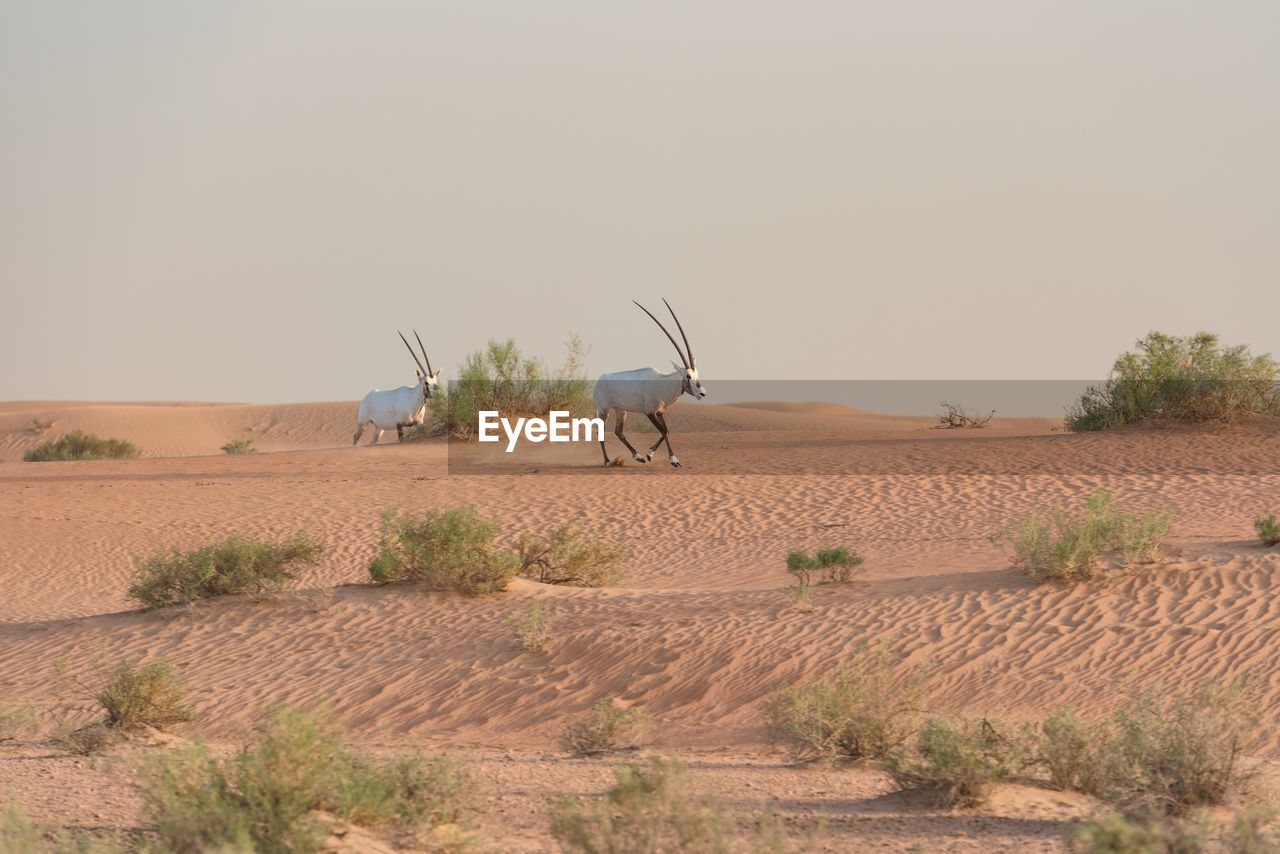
[
  {"x": 378, "y": 431},
  {"x": 603, "y": 415},
  {"x": 400, "y": 432},
  {"x": 660, "y": 421},
  {"x": 359, "y": 429},
  {"x": 617, "y": 431}
]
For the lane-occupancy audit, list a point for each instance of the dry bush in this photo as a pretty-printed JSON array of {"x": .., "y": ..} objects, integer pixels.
[
  {"x": 297, "y": 763},
  {"x": 149, "y": 695},
  {"x": 1268, "y": 528},
  {"x": 82, "y": 446},
  {"x": 449, "y": 549},
  {"x": 863, "y": 709},
  {"x": 1063, "y": 545},
  {"x": 235, "y": 565},
  {"x": 958, "y": 759},
  {"x": 834, "y": 565},
  {"x": 40, "y": 426},
  {"x": 955, "y": 416},
  {"x": 606, "y": 727},
  {"x": 239, "y": 446},
  {"x": 1117, "y": 834},
  {"x": 1079, "y": 756},
  {"x": 532, "y": 626},
  {"x": 568, "y": 557},
  {"x": 16, "y": 720},
  {"x": 650, "y": 809},
  {"x": 800, "y": 595},
  {"x": 88, "y": 740}
]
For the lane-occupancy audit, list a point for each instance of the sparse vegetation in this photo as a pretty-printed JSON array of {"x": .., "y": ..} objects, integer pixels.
[
  {"x": 1116, "y": 834},
  {"x": 239, "y": 446},
  {"x": 606, "y": 727},
  {"x": 532, "y": 626},
  {"x": 800, "y": 595},
  {"x": 132, "y": 697},
  {"x": 88, "y": 740},
  {"x": 501, "y": 378},
  {"x": 650, "y": 809},
  {"x": 1268, "y": 528},
  {"x": 17, "y": 834},
  {"x": 235, "y": 565},
  {"x": 1063, "y": 545},
  {"x": 958, "y": 759},
  {"x": 1080, "y": 756},
  {"x": 834, "y": 565},
  {"x": 298, "y": 762},
  {"x": 1171, "y": 379},
  {"x": 954, "y": 416},
  {"x": 16, "y": 720},
  {"x": 82, "y": 446},
  {"x": 40, "y": 426},
  {"x": 566, "y": 556},
  {"x": 864, "y": 709},
  {"x": 448, "y": 549}
]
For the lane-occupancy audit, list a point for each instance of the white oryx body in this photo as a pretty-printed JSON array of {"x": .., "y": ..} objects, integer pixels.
[
  {"x": 398, "y": 407},
  {"x": 648, "y": 392}
]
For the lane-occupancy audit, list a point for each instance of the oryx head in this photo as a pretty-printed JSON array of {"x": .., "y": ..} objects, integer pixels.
[
  {"x": 692, "y": 386},
  {"x": 428, "y": 380}
]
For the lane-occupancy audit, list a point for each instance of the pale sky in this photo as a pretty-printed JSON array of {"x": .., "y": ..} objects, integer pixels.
[{"x": 243, "y": 201}]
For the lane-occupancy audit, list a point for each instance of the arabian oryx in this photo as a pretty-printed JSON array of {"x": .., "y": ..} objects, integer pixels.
[
  {"x": 399, "y": 407},
  {"x": 649, "y": 393}
]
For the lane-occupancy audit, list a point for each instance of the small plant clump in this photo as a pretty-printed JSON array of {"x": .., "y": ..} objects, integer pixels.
[
  {"x": 532, "y": 626},
  {"x": 863, "y": 709},
  {"x": 448, "y": 549},
  {"x": 239, "y": 446},
  {"x": 1171, "y": 379},
  {"x": 567, "y": 557},
  {"x": 834, "y": 565},
  {"x": 82, "y": 446},
  {"x": 1080, "y": 756},
  {"x": 954, "y": 416},
  {"x": 1065, "y": 545},
  {"x": 958, "y": 759},
  {"x": 651, "y": 808},
  {"x": 264, "y": 798},
  {"x": 235, "y": 565},
  {"x": 130, "y": 695},
  {"x": 606, "y": 727},
  {"x": 1268, "y": 528}
]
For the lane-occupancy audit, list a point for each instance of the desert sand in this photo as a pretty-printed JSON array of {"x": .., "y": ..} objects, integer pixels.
[{"x": 698, "y": 632}]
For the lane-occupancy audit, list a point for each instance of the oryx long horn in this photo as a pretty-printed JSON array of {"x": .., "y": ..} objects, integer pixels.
[
  {"x": 428, "y": 358},
  {"x": 665, "y": 332},
  {"x": 687, "y": 348},
  {"x": 411, "y": 353}
]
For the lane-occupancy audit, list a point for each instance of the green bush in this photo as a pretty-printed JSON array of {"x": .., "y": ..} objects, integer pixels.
[
  {"x": 1079, "y": 756},
  {"x": 958, "y": 759},
  {"x": 1268, "y": 529},
  {"x": 500, "y": 378},
  {"x": 1063, "y": 545},
  {"x": 606, "y": 727},
  {"x": 833, "y": 565},
  {"x": 863, "y": 709},
  {"x": 449, "y": 549},
  {"x": 1172, "y": 379},
  {"x": 1116, "y": 834},
  {"x": 234, "y": 565},
  {"x": 298, "y": 762},
  {"x": 532, "y": 626},
  {"x": 82, "y": 446},
  {"x": 567, "y": 557},
  {"x": 650, "y": 809},
  {"x": 149, "y": 695},
  {"x": 239, "y": 446}
]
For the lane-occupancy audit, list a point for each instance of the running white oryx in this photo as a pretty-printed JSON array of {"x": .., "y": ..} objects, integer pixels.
[
  {"x": 649, "y": 393},
  {"x": 399, "y": 407}
]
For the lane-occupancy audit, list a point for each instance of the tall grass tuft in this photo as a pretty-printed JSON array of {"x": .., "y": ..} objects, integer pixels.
[{"x": 82, "y": 446}]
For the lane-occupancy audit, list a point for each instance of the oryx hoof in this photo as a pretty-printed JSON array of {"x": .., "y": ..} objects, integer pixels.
[
  {"x": 639, "y": 458},
  {"x": 648, "y": 458},
  {"x": 675, "y": 464}
]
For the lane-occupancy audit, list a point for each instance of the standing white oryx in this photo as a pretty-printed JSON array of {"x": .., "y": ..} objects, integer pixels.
[
  {"x": 649, "y": 393},
  {"x": 399, "y": 407}
]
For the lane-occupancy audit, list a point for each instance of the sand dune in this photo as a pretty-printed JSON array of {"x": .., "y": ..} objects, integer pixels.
[{"x": 698, "y": 632}]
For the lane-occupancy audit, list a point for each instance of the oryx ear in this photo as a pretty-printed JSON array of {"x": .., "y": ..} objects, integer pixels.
[
  {"x": 436, "y": 375},
  {"x": 417, "y": 373},
  {"x": 679, "y": 368}
]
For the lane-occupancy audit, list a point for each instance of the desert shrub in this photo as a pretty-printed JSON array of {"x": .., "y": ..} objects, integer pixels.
[
  {"x": 606, "y": 727},
  {"x": 1172, "y": 379},
  {"x": 40, "y": 426},
  {"x": 1255, "y": 831},
  {"x": 501, "y": 378},
  {"x": 1186, "y": 749},
  {"x": 1116, "y": 834},
  {"x": 568, "y": 557},
  {"x": 832, "y": 565},
  {"x": 650, "y": 809},
  {"x": 88, "y": 740},
  {"x": 1065, "y": 545},
  {"x": 1080, "y": 756},
  {"x": 239, "y": 446},
  {"x": 1268, "y": 529},
  {"x": 82, "y": 446},
  {"x": 297, "y": 762},
  {"x": 863, "y": 709},
  {"x": 149, "y": 695},
  {"x": 17, "y": 834},
  {"x": 445, "y": 548},
  {"x": 16, "y": 720},
  {"x": 800, "y": 595},
  {"x": 532, "y": 626},
  {"x": 958, "y": 759},
  {"x": 954, "y": 416},
  {"x": 234, "y": 565}
]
